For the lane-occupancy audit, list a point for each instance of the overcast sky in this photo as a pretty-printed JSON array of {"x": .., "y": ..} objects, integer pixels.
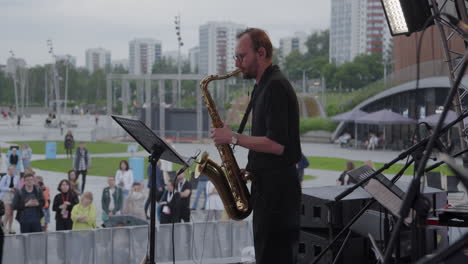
[{"x": 75, "y": 25}]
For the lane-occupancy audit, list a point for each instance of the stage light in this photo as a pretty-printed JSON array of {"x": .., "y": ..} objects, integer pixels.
[{"x": 406, "y": 17}]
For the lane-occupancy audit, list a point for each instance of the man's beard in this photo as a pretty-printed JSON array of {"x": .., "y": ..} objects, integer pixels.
[
  {"x": 247, "y": 76},
  {"x": 249, "y": 73}
]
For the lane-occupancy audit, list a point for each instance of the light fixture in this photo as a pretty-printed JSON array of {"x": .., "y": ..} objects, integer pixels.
[{"x": 406, "y": 17}]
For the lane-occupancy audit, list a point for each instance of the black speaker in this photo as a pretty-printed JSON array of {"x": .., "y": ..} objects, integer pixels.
[
  {"x": 311, "y": 243},
  {"x": 320, "y": 210}
]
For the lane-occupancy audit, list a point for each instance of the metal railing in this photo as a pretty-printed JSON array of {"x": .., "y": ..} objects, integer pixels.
[{"x": 207, "y": 242}]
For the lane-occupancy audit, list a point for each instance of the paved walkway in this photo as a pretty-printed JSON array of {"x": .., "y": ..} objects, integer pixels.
[{"x": 33, "y": 129}]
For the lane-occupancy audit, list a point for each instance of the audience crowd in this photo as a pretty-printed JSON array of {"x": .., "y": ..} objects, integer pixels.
[{"x": 24, "y": 196}]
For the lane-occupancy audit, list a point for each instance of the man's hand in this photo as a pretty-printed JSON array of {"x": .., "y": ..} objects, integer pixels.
[{"x": 222, "y": 135}]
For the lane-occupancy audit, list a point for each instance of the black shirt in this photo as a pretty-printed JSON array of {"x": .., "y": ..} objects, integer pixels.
[
  {"x": 13, "y": 159},
  {"x": 275, "y": 114},
  {"x": 184, "y": 202}
]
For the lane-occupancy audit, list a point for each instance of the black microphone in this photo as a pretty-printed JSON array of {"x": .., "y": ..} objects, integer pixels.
[{"x": 190, "y": 161}]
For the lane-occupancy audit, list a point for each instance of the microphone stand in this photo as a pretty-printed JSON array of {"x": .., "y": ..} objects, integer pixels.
[
  {"x": 414, "y": 189},
  {"x": 153, "y": 159}
]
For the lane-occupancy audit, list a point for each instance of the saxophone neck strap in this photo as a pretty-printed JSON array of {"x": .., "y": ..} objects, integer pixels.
[{"x": 247, "y": 112}]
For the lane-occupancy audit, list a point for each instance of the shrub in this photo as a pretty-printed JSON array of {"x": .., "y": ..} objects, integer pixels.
[{"x": 314, "y": 124}]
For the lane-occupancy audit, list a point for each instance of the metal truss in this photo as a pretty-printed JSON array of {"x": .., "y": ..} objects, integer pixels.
[{"x": 453, "y": 58}]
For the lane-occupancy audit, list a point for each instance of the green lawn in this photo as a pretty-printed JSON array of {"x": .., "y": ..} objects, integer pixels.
[
  {"x": 309, "y": 177},
  {"x": 38, "y": 147},
  {"x": 338, "y": 164},
  {"x": 99, "y": 166}
]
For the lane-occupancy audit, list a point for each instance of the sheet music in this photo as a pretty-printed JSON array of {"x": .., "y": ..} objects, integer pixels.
[
  {"x": 387, "y": 198},
  {"x": 383, "y": 190}
]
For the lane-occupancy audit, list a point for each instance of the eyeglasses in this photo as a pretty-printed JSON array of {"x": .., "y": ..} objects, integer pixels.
[{"x": 239, "y": 57}]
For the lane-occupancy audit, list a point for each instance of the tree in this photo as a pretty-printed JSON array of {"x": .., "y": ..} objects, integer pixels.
[
  {"x": 318, "y": 44},
  {"x": 7, "y": 95},
  {"x": 314, "y": 59},
  {"x": 164, "y": 65},
  {"x": 364, "y": 69},
  {"x": 119, "y": 69}
]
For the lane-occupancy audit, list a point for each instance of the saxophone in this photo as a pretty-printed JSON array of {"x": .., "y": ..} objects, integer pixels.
[{"x": 228, "y": 179}]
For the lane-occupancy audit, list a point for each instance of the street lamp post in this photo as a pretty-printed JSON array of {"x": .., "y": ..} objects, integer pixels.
[
  {"x": 179, "y": 70},
  {"x": 15, "y": 81},
  {"x": 55, "y": 78},
  {"x": 66, "y": 84}
]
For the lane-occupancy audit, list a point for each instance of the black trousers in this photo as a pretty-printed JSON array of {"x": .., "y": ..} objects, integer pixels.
[
  {"x": 30, "y": 227},
  {"x": 83, "y": 181},
  {"x": 2, "y": 239},
  {"x": 63, "y": 224},
  {"x": 184, "y": 214},
  {"x": 148, "y": 201},
  {"x": 276, "y": 200},
  {"x": 69, "y": 152}
]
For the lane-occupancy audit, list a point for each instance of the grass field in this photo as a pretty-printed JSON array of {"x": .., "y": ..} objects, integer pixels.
[
  {"x": 38, "y": 147},
  {"x": 99, "y": 166},
  {"x": 108, "y": 166}
]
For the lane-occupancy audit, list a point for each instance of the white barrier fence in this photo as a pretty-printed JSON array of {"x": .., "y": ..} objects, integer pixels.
[{"x": 210, "y": 242}]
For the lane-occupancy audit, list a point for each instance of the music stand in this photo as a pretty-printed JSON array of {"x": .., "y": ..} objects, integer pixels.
[{"x": 159, "y": 149}]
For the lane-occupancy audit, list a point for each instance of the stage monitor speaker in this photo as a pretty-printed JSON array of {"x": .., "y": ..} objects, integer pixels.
[
  {"x": 357, "y": 249},
  {"x": 320, "y": 210}
]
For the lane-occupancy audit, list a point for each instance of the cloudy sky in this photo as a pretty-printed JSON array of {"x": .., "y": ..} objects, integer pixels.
[{"x": 75, "y": 25}]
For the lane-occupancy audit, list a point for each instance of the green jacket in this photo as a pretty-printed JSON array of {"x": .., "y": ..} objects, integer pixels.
[
  {"x": 90, "y": 211},
  {"x": 105, "y": 200}
]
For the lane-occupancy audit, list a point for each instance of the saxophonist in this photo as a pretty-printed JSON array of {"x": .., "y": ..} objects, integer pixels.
[{"x": 274, "y": 149}]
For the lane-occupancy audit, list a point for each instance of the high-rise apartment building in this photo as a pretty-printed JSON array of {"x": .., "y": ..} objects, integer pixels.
[
  {"x": 98, "y": 58},
  {"x": 357, "y": 27},
  {"x": 13, "y": 64},
  {"x": 289, "y": 44},
  {"x": 143, "y": 53},
  {"x": 217, "y": 42}
]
